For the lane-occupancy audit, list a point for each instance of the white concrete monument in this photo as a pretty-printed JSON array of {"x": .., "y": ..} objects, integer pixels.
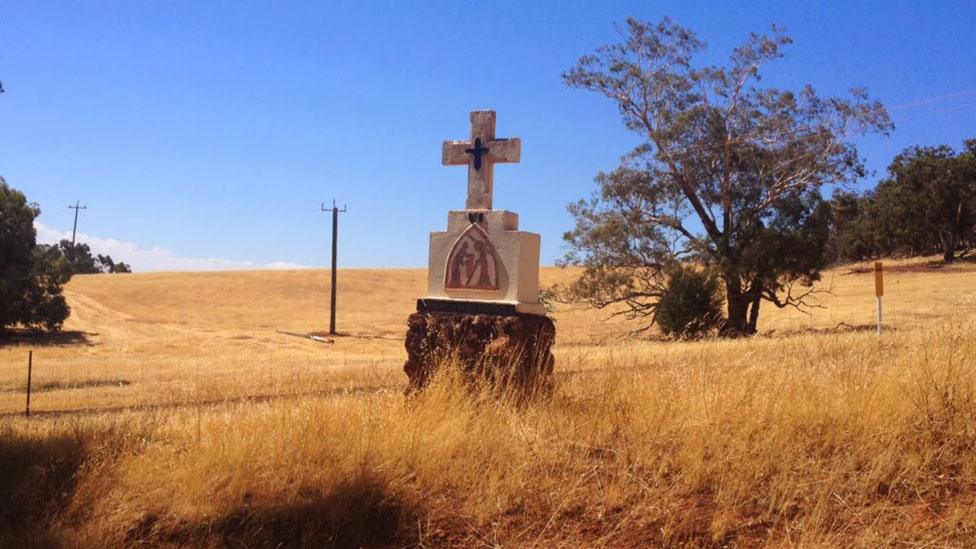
[
  {"x": 482, "y": 262},
  {"x": 482, "y": 306}
]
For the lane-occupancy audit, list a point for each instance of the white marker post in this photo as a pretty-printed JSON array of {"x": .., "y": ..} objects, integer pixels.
[{"x": 878, "y": 289}]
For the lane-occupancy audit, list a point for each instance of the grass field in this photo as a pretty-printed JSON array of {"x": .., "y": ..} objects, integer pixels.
[{"x": 185, "y": 409}]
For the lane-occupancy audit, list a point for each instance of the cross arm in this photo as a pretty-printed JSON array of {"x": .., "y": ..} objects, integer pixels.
[
  {"x": 505, "y": 150},
  {"x": 453, "y": 153}
]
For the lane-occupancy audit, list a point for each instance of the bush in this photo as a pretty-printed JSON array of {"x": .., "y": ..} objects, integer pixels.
[{"x": 691, "y": 304}]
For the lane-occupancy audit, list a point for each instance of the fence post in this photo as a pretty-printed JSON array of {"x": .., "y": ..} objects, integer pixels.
[
  {"x": 879, "y": 289},
  {"x": 30, "y": 366}
]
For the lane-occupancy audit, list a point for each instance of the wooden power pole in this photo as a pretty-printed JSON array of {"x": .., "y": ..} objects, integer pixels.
[
  {"x": 76, "y": 207},
  {"x": 335, "y": 243}
]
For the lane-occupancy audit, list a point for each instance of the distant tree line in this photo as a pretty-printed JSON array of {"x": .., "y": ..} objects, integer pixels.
[
  {"x": 926, "y": 205},
  {"x": 33, "y": 275},
  {"x": 81, "y": 261}
]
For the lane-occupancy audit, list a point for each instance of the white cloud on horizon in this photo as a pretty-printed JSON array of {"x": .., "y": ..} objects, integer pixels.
[{"x": 155, "y": 258}]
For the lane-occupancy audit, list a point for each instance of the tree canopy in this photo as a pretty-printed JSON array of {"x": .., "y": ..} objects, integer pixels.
[
  {"x": 926, "y": 204},
  {"x": 82, "y": 261},
  {"x": 31, "y": 276},
  {"x": 728, "y": 173}
]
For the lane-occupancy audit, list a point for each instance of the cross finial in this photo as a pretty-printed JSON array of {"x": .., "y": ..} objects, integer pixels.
[{"x": 480, "y": 154}]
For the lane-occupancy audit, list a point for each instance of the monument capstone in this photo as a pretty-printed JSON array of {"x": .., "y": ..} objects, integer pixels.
[{"x": 482, "y": 299}]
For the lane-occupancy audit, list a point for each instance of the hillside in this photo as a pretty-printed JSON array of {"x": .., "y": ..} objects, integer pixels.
[
  {"x": 185, "y": 408},
  {"x": 183, "y": 337}
]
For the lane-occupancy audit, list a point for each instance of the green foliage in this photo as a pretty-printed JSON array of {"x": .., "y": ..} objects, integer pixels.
[
  {"x": 31, "y": 276},
  {"x": 82, "y": 261},
  {"x": 728, "y": 174},
  {"x": 108, "y": 266},
  {"x": 79, "y": 257},
  {"x": 691, "y": 304},
  {"x": 927, "y": 204}
]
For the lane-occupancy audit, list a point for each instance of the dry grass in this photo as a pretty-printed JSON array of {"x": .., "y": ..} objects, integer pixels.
[{"x": 203, "y": 426}]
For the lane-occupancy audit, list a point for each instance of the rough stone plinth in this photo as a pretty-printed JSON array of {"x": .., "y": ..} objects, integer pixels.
[{"x": 513, "y": 350}]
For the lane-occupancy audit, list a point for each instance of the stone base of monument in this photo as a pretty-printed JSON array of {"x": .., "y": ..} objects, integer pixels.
[{"x": 490, "y": 343}]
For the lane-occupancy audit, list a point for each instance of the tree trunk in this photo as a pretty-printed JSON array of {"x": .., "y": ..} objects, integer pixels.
[
  {"x": 948, "y": 241},
  {"x": 738, "y": 307},
  {"x": 754, "y": 311}
]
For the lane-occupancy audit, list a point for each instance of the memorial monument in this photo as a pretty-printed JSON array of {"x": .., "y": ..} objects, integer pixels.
[{"x": 482, "y": 308}]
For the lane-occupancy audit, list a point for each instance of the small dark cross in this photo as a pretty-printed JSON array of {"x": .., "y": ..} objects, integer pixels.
[
  {"x": 477, "y": 151},
  {"x": 480, "y": 154}
]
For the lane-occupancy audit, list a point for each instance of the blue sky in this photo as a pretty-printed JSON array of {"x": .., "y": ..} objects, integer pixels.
[{"x": 205, "y": 134}]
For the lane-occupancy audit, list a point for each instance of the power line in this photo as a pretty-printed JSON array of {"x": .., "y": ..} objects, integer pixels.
[
  {"x": 802, "y": 133},
  {"x": 933, "y": 99},
  {"x": 942, "y": 110}
]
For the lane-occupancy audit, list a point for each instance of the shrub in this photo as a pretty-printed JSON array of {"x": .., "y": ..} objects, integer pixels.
[{"x": 691, "y": 304}]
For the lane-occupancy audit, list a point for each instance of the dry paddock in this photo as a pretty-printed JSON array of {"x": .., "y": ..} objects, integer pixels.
[{"x": 180, "y": 409}]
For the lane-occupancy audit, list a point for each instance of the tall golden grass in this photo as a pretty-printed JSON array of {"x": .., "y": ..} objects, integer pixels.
[{"x": 811, "y": 436}]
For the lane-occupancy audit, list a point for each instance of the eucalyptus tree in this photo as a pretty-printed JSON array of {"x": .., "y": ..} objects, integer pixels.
[
  {"x": 932, "y": 196},
  {"x": 31, "y": 275},
  {"x": 727, "y": 174}
]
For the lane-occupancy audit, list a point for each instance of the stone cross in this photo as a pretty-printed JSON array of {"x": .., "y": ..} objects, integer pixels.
[{"x": 480, "y": 154}]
